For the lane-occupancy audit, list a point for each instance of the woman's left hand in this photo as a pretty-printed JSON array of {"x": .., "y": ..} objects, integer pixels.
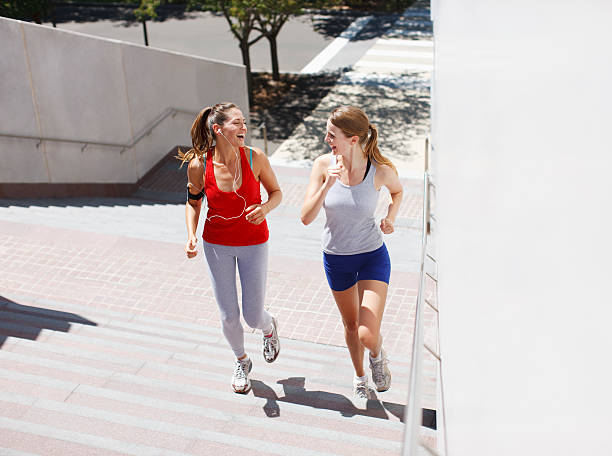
[
  {"x": 386, "y": 226},
  {"x": 255, "y": 214}
]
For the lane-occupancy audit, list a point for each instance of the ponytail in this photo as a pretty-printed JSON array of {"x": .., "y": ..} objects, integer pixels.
[
  {"x": 371, "y": 150},
  {"x": 202, "y": 136}
]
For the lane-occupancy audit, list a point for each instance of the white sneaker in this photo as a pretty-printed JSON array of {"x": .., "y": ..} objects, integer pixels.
[
  {"x": 271, "y": 344},
  {"x": 240, "y": 380},
  {"x": 361, "y": 390},
  {"x": 381, "y": 375}
]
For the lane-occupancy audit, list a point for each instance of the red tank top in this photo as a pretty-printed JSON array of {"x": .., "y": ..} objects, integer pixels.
[{"x": 235, "y": 231}]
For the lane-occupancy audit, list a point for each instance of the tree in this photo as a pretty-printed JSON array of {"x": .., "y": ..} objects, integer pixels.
[
  {"x": 241, "y": 17},
  {"x": 146, "y": 10},
  {"x": 271, "y": 16}
]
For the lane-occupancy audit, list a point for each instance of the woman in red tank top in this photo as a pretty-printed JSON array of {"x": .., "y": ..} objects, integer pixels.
[{"x": 235, "y": 234}]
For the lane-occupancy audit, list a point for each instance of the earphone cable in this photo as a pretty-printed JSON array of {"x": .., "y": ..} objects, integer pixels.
[{"x": 237, "y": 175}]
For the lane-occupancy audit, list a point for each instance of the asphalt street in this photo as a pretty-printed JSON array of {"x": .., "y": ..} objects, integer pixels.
[{"x": 208, "y": 35}]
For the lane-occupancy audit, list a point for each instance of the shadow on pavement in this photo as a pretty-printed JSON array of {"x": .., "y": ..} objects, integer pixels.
[
  {"x": 283, "y": 105},
  {"x": 27, "y": 322},
  {"x": 295, "y": 393},
  {"x": 81, "y": 12},
  {"x": 93, "y": 201},
  {"x": 333, "y": 24}
]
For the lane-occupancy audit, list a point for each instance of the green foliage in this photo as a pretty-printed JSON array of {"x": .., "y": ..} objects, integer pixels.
[
  {"x": 146, "y": 10},
  {"x": 26, "y": 10},
  {"x": 272, "y": 14},
  {"x": 240, "y": 14}
]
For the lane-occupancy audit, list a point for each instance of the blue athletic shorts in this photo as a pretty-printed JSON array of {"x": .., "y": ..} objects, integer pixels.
[{"x": 344, "y": 271}]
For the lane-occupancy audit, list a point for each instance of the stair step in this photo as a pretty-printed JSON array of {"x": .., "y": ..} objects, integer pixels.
[
  {"x": 157, "y": 422},
  {"x": 103, "y": 323},
  {"x": 219, "y": 360},
  {"x": 172, "y": 397}
]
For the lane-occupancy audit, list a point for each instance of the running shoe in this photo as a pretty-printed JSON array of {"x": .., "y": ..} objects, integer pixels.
[
  {"x": 361, "y": 390},
  {"x": 240, "y": 380},
  {"x": 381, "y": 375},
  {"x": 271, "y": 344}
]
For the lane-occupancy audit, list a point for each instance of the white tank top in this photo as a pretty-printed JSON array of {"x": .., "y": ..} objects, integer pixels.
[{"x": 350, "y": 227}]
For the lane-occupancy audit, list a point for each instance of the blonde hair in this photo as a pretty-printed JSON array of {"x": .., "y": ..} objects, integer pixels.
[
  {"x": 202, "y": 134},
  {"x": 354, "y": 122}
]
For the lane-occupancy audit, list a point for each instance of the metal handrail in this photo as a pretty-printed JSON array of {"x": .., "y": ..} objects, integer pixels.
[
  {"x": 144, "y": 132},
  {"x": 413, "y": 407}
]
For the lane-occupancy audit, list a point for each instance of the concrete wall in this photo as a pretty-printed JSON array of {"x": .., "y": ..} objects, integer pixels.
[
  {"x": 72, "y": 86},
  {"x": 522, "y": 108}
]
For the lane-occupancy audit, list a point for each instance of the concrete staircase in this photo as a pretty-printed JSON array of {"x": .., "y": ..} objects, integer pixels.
[
  {"x": 81, "y": 381},
  {"x": 110, "y": 342}
]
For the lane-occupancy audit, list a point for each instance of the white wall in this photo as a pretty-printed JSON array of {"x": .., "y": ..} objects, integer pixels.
[
  {"x": 522, "y": 109},
  {"x": 68, "y": 85}
]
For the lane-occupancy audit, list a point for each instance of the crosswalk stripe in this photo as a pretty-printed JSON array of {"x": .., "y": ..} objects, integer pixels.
[
  {"x": 386, "y": 53},
  {"x": 404, "y": 43},
  {"x": 397, "y": 55},
  {"x": 336, "y": 46},
  {"x": 392, "y": 65}
]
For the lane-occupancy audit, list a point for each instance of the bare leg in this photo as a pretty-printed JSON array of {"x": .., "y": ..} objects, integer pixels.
[
  {"x": 372, "y": 298},
  {"x": 348, "y": 305}
]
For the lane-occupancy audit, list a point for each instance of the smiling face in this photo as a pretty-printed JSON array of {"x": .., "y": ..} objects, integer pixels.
[
  {"x": 234, "y": 129},
  {"x": 337, "y": 140}
]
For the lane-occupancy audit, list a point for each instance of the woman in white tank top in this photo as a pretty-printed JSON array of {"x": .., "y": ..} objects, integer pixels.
[{"x": 346, "y": 184}]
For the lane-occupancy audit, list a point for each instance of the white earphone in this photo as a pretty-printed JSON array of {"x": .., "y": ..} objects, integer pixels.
[{"x": 237, "y": 175}]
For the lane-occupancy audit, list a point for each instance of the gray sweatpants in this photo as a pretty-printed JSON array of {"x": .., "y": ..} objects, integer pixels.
[{"x": 252, "y": 263}]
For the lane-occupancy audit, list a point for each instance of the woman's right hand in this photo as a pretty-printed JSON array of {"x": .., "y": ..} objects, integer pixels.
[
  {"x": 322, "y": 177},
  {"x": 334, "y": 171},
  {"x": 191, "y": 248}
]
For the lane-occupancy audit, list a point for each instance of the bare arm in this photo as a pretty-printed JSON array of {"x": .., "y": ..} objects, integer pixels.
[
  {"x": 388, "y": 177},
  {"x": 195, "y": 177},
  {"x": 322, "y": 177},
  {"x": 262, "y": 169}
]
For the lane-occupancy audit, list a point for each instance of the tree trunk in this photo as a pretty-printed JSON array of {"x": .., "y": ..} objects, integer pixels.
[
  {"x": 246, "y": 60},
  {"x": 144, "y": 30},
  {"x": 274, "y": 57}
]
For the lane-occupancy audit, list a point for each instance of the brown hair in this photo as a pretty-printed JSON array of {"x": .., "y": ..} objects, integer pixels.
[
  {"x": 354, "y": 122},
  {"x": 202, "y": 134}
]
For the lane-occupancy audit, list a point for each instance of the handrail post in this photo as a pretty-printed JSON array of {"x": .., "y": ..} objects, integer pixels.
[
  {"x": 427, "y": 208},
  {"x": 426, "y": 154},
  {"x": 265, "y": 137}
]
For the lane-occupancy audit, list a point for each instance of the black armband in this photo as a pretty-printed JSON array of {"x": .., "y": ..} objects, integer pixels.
[{"x": 197, "y": 196}]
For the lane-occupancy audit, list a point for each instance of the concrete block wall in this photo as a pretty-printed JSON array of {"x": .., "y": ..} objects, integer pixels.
[{"x": 60, "y": 84}]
